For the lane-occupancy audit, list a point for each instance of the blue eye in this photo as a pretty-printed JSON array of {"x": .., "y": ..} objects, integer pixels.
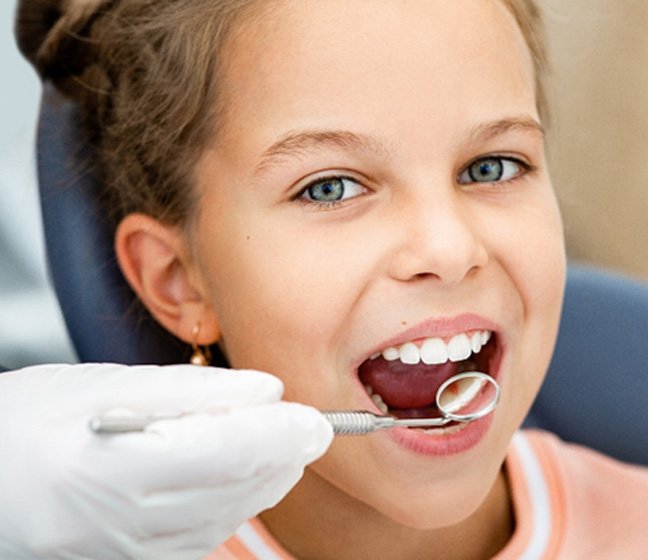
[
  {"x": 492, "y": 170},
  {"x": 331, "y": 190}
]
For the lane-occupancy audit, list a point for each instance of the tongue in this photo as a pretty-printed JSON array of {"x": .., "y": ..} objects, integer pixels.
[{"x": 405, "y": 386}]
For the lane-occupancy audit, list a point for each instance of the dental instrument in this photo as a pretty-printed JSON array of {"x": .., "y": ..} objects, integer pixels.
[{"x": 463, "y": 398}]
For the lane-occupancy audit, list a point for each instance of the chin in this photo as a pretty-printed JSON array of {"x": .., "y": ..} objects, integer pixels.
[
  {"x": 446, "y": 505},
  {"x": 413, "y": 491}
]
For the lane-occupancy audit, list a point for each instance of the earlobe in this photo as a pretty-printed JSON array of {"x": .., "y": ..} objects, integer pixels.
[{"x": 154, "y": 259}]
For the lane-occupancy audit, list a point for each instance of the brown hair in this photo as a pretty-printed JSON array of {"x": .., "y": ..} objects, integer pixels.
[
  {"x": 146, "y": 75},
  {"x": 528, "y": 16}
]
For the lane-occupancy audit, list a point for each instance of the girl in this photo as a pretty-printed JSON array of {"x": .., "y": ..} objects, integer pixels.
[{"x": 354, "y": 197}]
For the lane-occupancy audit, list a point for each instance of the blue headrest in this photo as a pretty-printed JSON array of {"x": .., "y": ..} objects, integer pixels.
[{"x": 596, "y": 388}]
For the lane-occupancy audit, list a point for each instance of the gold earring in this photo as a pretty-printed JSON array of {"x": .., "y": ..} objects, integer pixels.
[{"x": 200, "y": 356}]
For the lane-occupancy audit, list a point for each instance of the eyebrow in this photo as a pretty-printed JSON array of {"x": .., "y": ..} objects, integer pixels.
[
  {"x": 295, "y": 144},
  {"x": 490, "y": 130},
  {"x": 298, "y": 143}
]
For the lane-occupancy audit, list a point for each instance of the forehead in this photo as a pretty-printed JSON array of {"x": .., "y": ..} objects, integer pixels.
[{"x": 298, "y": 63}]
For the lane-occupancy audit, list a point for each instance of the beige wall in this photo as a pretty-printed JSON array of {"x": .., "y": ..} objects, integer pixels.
[{"x": 599, "y": 136}]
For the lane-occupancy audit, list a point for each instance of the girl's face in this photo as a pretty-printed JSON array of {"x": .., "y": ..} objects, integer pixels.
[{"x": 379, "y": 183}]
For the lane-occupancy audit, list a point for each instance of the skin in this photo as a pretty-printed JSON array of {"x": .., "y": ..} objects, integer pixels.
[{"x": 307, "y": 291}]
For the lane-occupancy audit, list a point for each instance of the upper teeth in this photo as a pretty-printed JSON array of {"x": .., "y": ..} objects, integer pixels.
[{"x": 436, "y": 350}]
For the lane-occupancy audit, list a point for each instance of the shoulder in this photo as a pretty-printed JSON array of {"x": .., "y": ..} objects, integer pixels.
[
  {"x": 603, "y": 502},
  {"x": 583, "y": 468}
]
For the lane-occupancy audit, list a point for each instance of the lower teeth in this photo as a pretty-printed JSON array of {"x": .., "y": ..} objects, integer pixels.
[
  {"x": 440, "y": 431},
  {"x": 377, "y": 399}
]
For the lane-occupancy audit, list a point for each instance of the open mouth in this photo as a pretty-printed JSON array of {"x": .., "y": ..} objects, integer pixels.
[{"x": 403, "y": 381}]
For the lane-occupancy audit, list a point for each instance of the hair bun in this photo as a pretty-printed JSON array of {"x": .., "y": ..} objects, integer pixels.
[{"x": 54, "y": 36}]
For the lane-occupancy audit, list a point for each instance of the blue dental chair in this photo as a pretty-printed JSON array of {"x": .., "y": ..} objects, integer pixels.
[{"x": 595, "y": 393}]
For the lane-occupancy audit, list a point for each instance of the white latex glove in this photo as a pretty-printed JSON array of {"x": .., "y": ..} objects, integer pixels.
[{"x": 174, "y": 491}]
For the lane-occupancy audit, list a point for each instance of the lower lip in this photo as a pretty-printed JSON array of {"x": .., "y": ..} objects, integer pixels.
[{"x": 439, "y": 444}]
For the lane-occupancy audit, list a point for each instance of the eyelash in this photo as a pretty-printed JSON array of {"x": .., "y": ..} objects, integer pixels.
[
  {"x": 503, "y": 160},
  {"x": 326, "y": 205}
]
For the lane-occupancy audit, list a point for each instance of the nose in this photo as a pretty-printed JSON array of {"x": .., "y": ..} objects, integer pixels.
[{"x": 440, "y": 238}]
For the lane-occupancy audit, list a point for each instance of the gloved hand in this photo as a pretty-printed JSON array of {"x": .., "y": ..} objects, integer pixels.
[{"x": 174, "y": 491}]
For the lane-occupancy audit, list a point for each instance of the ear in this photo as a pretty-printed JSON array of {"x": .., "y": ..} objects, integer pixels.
[{"x": 156, "y": 262}]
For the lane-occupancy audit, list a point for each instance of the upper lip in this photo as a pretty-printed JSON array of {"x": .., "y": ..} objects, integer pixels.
[{"x": 436, "y": 327}]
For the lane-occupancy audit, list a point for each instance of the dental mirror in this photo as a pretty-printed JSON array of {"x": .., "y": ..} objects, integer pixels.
[
  {"x": 464, "y": 398},
  {"x": 468, "y": 396}
]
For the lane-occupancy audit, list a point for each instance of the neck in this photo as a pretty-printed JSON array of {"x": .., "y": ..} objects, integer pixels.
[{"x": 340, "y": 523}]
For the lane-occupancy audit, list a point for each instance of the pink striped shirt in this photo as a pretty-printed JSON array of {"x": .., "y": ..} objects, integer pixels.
[{"x": 570, "y": 503}]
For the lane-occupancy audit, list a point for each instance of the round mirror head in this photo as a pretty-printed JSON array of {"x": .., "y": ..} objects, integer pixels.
[{"x": 467, "y": 396}]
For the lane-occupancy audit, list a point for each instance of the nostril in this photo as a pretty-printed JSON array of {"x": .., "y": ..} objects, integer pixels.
[{"x": 426, "y": 276}]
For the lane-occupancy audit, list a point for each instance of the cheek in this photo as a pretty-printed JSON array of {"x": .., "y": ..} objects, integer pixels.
[
  {"x": 545, "y": 261},
  {"x": 530, "y": 246},
  {"x": 280, "y": 297},
  {"x": 536, "y": 264}
]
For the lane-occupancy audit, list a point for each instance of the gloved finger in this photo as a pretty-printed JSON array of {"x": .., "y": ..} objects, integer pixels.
[
  {"x": 188, "y": 388},
  {"x": 163, "y": 523},
  {"x": 210, "y": 450},
  {"x": 198, "y": 453},
  {"x": 209, "y": 515},
  {"x": 223, "y": 512},
  {"x": 98, "y": 388},
  {"x": 190, "y": 546}
]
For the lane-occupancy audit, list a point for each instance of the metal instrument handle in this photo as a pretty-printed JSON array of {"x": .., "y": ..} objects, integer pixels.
[{"x": 344, "y": 422}]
